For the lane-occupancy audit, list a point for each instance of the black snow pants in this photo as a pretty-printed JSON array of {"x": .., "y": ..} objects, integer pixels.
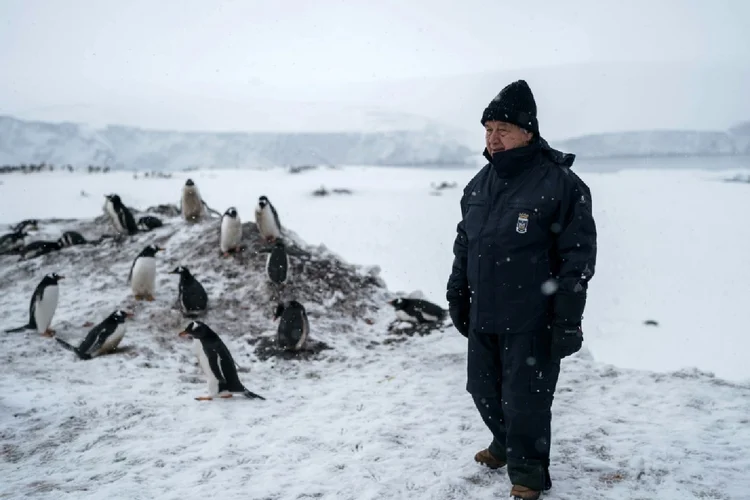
[{"x": 512, "y": 379}]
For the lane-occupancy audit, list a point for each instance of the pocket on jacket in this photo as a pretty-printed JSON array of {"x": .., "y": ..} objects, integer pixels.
[{"x": 476, "y": 214}]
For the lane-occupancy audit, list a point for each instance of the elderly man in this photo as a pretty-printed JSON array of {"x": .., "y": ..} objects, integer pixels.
[{"x": 524, "y": 254}]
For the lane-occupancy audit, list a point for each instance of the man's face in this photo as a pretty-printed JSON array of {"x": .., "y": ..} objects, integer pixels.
[{"x": 501, "y": 136}]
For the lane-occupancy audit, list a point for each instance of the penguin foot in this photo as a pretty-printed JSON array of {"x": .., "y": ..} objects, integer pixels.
[
  {"x": 204, "y": 398},
  {"x": 138, "y": 297},
  {"x": 226, "y": 396},
  {"x": 149, "y": 298},
  {"x": 48, "y": 333}
]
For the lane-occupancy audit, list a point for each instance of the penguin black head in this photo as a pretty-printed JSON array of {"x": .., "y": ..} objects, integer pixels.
[
  {"x": 150, "y": 251},
  {"x": 52, "y": 278},
  {"x": 189, "y": 182},
  {"x": 120, "y": 316},
  {"x": 181, "y": 270},
  {"x": 281, "y": 307},
  {"x": 399, "y": 304},
  {"x": 231, "y": 212},
  {"x": 197, "y": 330},
  {"x": 263, "y": 201},
  {"x": 114, "y": 198}
]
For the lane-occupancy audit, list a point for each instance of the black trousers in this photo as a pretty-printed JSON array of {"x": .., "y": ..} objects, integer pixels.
[{"x": 512, "y": 379}]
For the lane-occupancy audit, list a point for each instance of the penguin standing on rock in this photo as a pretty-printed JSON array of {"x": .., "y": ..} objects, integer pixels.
[
  {"x": 216, "y": 362},
  {"x": 294, "y": 327},
  {"x": 417, "y": 310},
  {"x": 142, "y": 277},
  {"x": 191, "y": 296},
  {"x": 104, "y": 337},
  {"x": 120, "y": 215},
  {"x": 231, "y": 232},
  {"x": 267, "y": 220},
  {"x": 277, "y": 264},
  {"x": 43, "y": 305},
  {"x": 192, "y": 203}
]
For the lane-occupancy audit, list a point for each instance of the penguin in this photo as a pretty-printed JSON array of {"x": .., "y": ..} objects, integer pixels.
[
  {"x": 11, "y": 242},
  {"x": 42, "y": 306},
  {"x": 217, "y": 363},
  {"x": 231, "y": 231},
  {"x": 70, "y": 238},
  {"x": 277, "y": 264},
  {"x": 191, "y": 296},
  {"x": 267, "y": 220},
  {"x": 149, "y": 222},
  {"x": 30, "y": 224},
  {"x": 37, "y": 248},
  {"x": 192, "y": 203},
  {"x": 294, "y": 327},
  {"x": 104, "y": 337},
  {"x": 120, "y": 215},
  {"x": 142, "y": 277},
  {"x": 417, "y": 310}
]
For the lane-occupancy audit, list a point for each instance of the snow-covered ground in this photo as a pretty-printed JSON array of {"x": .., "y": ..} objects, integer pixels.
[{"x": 637, "y": 413}]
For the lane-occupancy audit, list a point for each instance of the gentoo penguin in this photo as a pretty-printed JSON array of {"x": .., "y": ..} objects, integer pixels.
[
  {"x": 27, "y": 224},
  {"x": 70, "y": 238},
  {"x": 37, "y": 248},
  {"x": 231, "y": 231},
  {"x": 142, "y": 277},
  {"x": 191, "y": 296},
  {"x": 192, "y": 203},
  {"x": 120, "y": 215},
  {"x": 293, "y": 327},
  {"x": 11, "y": 242},
  {"x": 104, "y": 337},
  {"x": 267, "y": 220},
  {"x": 149, "y": 222},
  {"x": 277, "y": 264},
  {"x": 42, "y": 306},
  {"x": 217, "y": 363},
  {"x": 417, "y": 310}
]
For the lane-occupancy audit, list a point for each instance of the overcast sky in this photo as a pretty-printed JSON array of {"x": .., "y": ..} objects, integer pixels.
[{"x": 111, "y": 55}]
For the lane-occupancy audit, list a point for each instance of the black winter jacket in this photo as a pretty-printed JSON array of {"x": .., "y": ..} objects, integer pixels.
[{"x": 526, "y": 244}]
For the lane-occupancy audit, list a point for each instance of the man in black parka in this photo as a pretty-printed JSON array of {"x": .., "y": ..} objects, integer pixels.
[{"x": 524, "y": 254}]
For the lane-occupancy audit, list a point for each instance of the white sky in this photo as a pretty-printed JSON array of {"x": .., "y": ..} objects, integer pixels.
[{"x": 115, "y": 57}]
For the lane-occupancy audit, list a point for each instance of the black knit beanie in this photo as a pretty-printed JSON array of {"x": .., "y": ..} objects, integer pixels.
[{"x": 514, "y": 104}]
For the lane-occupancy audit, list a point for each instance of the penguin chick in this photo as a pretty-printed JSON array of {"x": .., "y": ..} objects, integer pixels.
[
  {"x": 191, "y": 295},
  {"x": 294, "y": 327},
  {"x": 142, "y": 277},
  {"x": 267, "y": 220},
  {"x": 119, "y": 215},
  {"x": 104, "y": 337},
  {"x": 192, "y": 203},
  {"x": 149, "y": 222},
  {"x": 417, "y": 310},
  {"x": 217, "y": 363},
  {"x": 231, "y": 232},
  {"x": 42, "y": 306}
]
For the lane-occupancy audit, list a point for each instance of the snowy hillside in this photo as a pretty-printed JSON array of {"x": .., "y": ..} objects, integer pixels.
[
  {"x": 371, "y": 414},
  {"x": 132, "y": 148},
  {"x": 741, "y": 136},
  {"x": 653, "y": 143}
]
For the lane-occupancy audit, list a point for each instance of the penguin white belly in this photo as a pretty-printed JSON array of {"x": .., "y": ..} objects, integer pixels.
[
  {"x": 45, "y": 308},
  {"x": 303, "y": 338},
  {"x": 213, "y": 382},
  {"x": 267, "y": 224},
  {"x": 110, "y": 210},
  {"x": 403, "y": 316},
  {"x": 112, "y": 341},
  {"x": 231, "y": 233},
  {"x": 143, "y": 280}
]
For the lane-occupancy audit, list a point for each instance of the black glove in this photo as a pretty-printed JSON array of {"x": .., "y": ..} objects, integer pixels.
[
  {"x": 566, "y": 340},
  {"x": 460, "y": 316}
]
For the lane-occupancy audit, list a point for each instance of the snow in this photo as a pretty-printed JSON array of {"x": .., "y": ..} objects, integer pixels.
[{"x": 641, "y": 412}]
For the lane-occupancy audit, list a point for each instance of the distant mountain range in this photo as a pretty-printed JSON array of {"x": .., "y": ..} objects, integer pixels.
[
  {"x": 424, "y": 144},
  {"x": 138, "y": 149},
  {"x": 649, "y": 143}
]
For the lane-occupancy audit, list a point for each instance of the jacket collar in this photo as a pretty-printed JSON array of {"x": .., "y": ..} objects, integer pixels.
[{"x": 512, "y": 162}]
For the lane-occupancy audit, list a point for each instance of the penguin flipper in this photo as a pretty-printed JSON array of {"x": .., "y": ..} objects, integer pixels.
[
  {"x": 251, "y": 395},
  {"x": 214, "y": 363}
]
